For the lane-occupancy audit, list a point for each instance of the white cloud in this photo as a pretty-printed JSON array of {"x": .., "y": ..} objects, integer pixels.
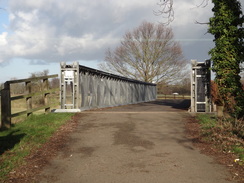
[
  {"x": 55, "y": 30},
  {"x": 3, "y": 39},
  {"x": 186, "y": 15}
]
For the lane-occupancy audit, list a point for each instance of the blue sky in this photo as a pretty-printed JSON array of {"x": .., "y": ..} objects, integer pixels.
[{"x": 36, "y": 35}]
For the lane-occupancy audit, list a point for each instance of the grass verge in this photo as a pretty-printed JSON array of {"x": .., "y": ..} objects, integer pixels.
[
  {"x": 20, "y": 140},
  {"x": 227, "y": 134}
]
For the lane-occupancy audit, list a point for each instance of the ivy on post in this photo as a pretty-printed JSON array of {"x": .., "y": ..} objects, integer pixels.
[{"x": 5, "y": 106}]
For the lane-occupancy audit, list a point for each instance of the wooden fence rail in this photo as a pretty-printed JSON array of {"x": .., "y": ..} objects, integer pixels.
[{"x": 6, "y": 98}]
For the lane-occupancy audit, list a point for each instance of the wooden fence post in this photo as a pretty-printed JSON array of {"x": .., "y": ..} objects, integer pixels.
[
  {"x": 28, "y": 99},
  {"x": 46, "y": 95},
  {"x": 5, "y": 106}
]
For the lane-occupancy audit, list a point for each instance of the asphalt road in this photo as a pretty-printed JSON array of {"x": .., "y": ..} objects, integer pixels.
[{"x": 142, "y": 143}]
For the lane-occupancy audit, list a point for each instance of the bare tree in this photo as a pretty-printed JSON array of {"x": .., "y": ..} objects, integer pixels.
[
  {"x": 39, "y": 74},
  {"x": 37, "y": 85},
  {"x": 54, "y": 83},
  {"x": 148, "y": 53},
  {"x": 17, "y": 88}
]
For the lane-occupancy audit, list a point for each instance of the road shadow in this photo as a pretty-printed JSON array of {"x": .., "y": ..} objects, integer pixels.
[
  {"x": 9, "y": 141},
  {"x": 182, "y": 104},
  {"x": 171, "y": 105}
]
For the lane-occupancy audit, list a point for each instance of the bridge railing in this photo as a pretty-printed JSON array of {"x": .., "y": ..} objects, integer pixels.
[{"x": 6, "y": 98}]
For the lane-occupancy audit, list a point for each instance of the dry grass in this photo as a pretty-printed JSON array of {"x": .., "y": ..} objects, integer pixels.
[{"x": 228, "y": 134}]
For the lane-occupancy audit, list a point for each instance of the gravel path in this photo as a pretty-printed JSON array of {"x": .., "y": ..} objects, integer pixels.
[{"x": 143, "y": 143}]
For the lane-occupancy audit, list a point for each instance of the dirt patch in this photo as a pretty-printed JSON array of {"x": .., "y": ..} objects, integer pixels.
[
  {"x": 39, "y": 158},
  {"x": 87, "y": 151},
  {"x": 194, "y": 133},
  {"x": 125, "y": 136},
  {"x": 87, "y": 126}
]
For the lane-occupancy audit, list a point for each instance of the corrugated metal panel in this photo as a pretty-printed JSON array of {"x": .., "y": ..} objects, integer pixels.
[{"x": 98, "y": 89}]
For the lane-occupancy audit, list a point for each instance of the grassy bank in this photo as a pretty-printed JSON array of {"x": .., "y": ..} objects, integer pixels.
[
  {"x": 226, "y": 134},
  {"x": 19, "y": 141}
]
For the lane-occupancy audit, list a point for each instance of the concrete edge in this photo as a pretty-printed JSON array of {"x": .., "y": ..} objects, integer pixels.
[{"x": 66, "y": 110}]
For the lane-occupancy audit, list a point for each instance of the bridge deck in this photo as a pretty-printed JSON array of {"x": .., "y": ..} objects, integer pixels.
[{"x": 177, "y": 105}]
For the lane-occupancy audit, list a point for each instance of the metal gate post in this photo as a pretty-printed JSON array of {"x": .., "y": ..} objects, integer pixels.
[
  {"x": 69, "y": 75},
  {"x": 200, "y": 86}
]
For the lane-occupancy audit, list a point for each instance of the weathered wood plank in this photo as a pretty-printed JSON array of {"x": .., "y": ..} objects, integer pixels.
[
  {"x": 5, "y": 107},
  {"x": 34, "y": 94},
  {"x": 32, "y": 79},
  {"x": 46, "y": 95},
  {"x": 32, "y": 110},
  {"x": 28, "y": 99}
]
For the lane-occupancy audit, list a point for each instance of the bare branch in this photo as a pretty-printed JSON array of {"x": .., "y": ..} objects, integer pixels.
[
  {"x": 203, "y": 4},
  {"x": 166, "y": 10},
  {"x": 201, "y": 23}
]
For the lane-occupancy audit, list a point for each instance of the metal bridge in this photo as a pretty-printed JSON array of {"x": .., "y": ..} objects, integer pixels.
[{"x": 86, "y": 88}]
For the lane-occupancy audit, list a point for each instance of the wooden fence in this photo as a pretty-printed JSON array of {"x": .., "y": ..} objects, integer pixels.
[
  {"x": 6, "y": 98},
  {"x": 163, "y": 96}
]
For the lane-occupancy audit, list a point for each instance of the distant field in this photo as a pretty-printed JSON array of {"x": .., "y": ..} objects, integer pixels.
[{"x": 162, "y": 96}]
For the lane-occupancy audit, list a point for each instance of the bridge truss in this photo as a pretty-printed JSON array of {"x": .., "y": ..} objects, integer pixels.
[{"x": 86, "y": 88}]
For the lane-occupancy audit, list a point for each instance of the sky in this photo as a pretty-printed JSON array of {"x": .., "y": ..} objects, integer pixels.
[{"x": 37, "y": 35}]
